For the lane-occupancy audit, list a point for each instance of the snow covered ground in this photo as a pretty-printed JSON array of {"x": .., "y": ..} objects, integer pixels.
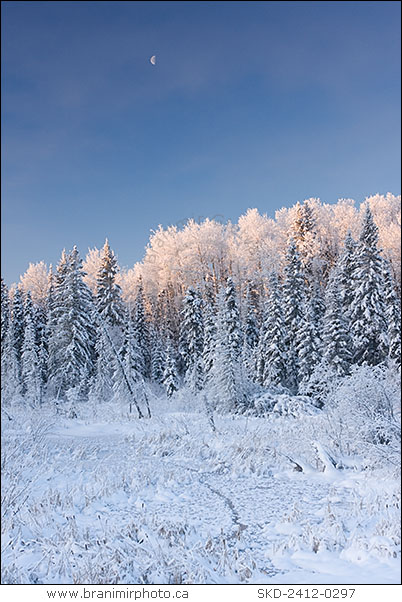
[{"x": 107, "y": 498}]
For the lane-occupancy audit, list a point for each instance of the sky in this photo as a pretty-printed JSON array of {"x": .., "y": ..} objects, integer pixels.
[{"x": 250, "y": 104}]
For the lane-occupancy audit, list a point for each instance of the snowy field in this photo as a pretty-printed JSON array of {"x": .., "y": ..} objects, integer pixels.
[{"x": 107, "y": 498}]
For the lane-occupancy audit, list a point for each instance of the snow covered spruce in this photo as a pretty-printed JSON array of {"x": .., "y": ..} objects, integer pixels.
[{"x": 265, "y": 359}]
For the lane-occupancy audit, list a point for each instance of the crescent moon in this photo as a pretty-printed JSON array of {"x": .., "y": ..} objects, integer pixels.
[{"x": 152, "y": 60}]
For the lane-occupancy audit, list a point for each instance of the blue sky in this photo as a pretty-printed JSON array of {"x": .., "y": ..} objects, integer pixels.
[{"x": 250, "y": 104}]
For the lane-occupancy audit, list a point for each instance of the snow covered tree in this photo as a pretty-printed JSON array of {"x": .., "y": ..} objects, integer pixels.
[
  {"x": 79, "y": 353},
  {"x": 40, "y": 325},
  {"x": 5, "y": 312},
  {"x": 131, "y": 362},
  {"x": 30, "y": 370},
  {"x": 28, "y": 308},
  {"x": 158, "y": 358},
  {"x": 251, "y": 321},
  {"x": 317, "y": 306},
  {"x": 109, "y": 325},
  {"x": 368, "y": 318},
  {"x": 39, "y": 319},
  {"x": 101, "y": 383},
  {"x": 10, "y": 369},
  {"x": 18, "y": 324},
  {"x": 72, "y": 335},
  {"x": 209, "y": 313},
  {"x": 309, "y": 341},
  {"x": 227, "y": 382},
  {"x": 304, "y": 236},
  {"x": 304, "y": 222},
  {"x": 294, "y": 295},
  {"x": 346, "y": 266},
  {"x": 271, "y": 350},
  {"x": 108, "y": 293},
  {"x": 10, "y": 364},
  {"x": 166, "y": 316},
  {"x": 49, "y": 320},
  {"x": 251, "y": 333},
  {"x": 170, "y": 380},
  {"x": 91, "y": 267},
  {"x": 35, "y": 280},
  {"x": 141, "y": 333},
  {"x": 56, "y": 335},
  {"x": 192, "y": 339},
  {"x": 393, "y": 314},
  {"x": 338, "y": 349},
  {"x": 164, "y": 327},
  {"x": 232, "y": 320}
]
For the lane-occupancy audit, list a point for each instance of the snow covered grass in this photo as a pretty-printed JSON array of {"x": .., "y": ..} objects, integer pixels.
[{"x": 106, "y": 498}]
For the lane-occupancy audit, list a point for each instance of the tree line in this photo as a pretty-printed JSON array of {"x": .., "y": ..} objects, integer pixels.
[{"x": 304, "y": 326}]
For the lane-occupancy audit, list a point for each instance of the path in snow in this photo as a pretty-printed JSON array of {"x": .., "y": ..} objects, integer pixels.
[{"x": 217, "y": 502}]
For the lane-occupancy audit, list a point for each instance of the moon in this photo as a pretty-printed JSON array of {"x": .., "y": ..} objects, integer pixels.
[{"x": 152, "y": 60}]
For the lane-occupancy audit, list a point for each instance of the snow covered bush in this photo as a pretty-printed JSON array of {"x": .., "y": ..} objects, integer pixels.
[
  {"x": 296, "y": 406},
  {"x": 322, "y": 383},
  {"x": 365, "y": 414},
  {"x": 278, "y": 402}
]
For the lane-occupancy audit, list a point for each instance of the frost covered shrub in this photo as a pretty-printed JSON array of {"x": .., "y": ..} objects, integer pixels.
[
  {"x": 323, "y": 381},
  {"x": 296, "y": 406},
  {"x": 365, "y": 414},
  {"x": 278, "y": 402}
]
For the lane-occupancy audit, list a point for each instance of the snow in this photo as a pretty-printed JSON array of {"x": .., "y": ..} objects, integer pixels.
[{"x": 107, "y": 498}]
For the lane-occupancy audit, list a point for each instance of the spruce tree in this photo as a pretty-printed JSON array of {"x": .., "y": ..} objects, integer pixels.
[
  {"x": 251, "y": 333},
  {"x": 368, "y": 318},
  {"x": 170, "y": 380},
  {"x": 10, "y": 370},
  {"x": 192, "y": 339},
  {"x": 10, "y": 365},
  {"x": 317, "y": 310},
  {"x": 30, "y": 371},
  {"x": 71, "y": 330},
  {"x": 18, "y": 324},
  {"x": 251, "y": 322},
  {"x": 131, "y": 363},
  {"x": 308, "y": 350},
  {"x": 40, "y": 317},
  {"x": 141, "y": 333},
  {"x": 294, "y": 296},
  {"x": 227, "y": 381},
  {"x": 57, "y": 327},
  {"x": 110, "y": 316},
  {"x": 271, "y": 351},
  {"x": 232, "y": 320},
  {"x": 346, "y": 266},
  {"x": 338, "y": 352},
  {"x": 167, "y": 319},
  {"x": 108, "y": 293},
  {"x": 79, "y": 352},
  {"x": 209, "y": 312},
  {"x": 101, "y": 384},
  {"x": 5, "y": 312},
  {"x": 172, "y": 318},
  {"x": 158, "y": 356},
  {"x": 393, "y": 314},
  {"x": 28, "y": 321}
]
